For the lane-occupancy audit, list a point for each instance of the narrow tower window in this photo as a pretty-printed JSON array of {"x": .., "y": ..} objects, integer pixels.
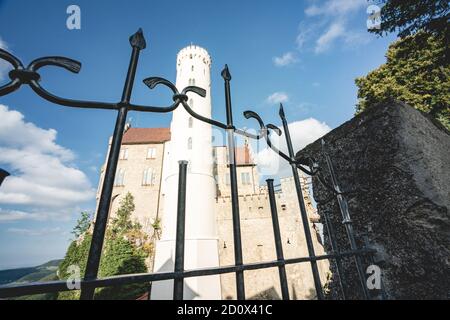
[
  {"x": 192, "y": 68},
  {"x": 190, "y": 144},
  {"x": 119, "y": 178},
  {"x": 191, "y": 103},
  {"x": 190, "y": 122}
]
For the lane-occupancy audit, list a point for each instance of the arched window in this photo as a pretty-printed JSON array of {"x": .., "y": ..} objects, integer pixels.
[
  {"x": 190, "y": 122},
  {"x": 148, "y": 178},
  {"x": 191, "y": 103},
  {"x": 119, "y": 178},
  {"x": 190, "y": 144},
  {"x": 192, "y": 68}
]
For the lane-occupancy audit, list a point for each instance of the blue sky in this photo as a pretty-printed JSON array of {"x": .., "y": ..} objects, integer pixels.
[{"x": 303, "y": 53}]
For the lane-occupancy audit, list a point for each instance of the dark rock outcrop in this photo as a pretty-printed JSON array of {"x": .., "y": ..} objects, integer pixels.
[{"x": 393, "y": 162}]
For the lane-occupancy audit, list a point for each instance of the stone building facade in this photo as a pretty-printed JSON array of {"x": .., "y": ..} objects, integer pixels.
[{"x": 141, "y": 171}]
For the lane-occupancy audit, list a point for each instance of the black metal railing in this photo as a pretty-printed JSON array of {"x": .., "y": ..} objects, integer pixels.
[{"x": 30, "y": 76}]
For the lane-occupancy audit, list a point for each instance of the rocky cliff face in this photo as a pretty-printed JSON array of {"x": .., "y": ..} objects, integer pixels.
[{"x": 393, "y": 162}]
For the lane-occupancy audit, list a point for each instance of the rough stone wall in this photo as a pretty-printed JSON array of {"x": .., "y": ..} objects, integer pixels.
[
  {"x": 258, "y": 245},
  {"x": 394, "y": 162}
]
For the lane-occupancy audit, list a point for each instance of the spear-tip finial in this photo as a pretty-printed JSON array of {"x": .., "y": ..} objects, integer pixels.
[
  {"x": 281, "y": 113},
  {"x": 3, "y": 175},
  {"x": 137, "y": 40},
  {"x": 226, "y": 75}
]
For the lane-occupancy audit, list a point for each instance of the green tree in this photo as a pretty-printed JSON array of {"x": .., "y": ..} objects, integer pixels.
[
  {"x": 122, "y": 223},
  {"x": 76, "y": 255},
  {"x": 83, "y": 224},
  {"x": 125, "y": 249},
  {"x": 121, "y": 257},
  {"x": 409, "y": 17},
  {"x": 416, "y": 72}
]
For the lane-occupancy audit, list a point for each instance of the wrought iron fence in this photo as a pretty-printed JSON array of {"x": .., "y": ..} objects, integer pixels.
[{"x": 29, "y": 75}]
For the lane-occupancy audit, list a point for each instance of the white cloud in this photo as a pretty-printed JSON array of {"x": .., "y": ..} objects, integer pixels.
[
  {"x": 16, "y": 215},
  {"x": 335, "y": 7},
  {"x": 277, "y": 97},
  {"x": 35, "y": 232},
  {"x": 44, "y": 177},
  {"x": 324, "y": 42},
  {"x": 326, "y": 22},
  {"x": 286, "y": 59},
  {"x": 305, "y": 32},
  {"x": 337, "y": 30},
  {"x": 302, "y": 133}
]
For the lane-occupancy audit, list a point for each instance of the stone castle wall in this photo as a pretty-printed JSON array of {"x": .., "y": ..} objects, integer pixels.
[{"x": 258, "y": 245}]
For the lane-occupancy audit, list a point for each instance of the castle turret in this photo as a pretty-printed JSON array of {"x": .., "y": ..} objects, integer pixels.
[{"x": 191, "y": 141}]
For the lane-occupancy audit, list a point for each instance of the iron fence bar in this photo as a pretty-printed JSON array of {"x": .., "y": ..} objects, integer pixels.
[
  {"x": 347, "y": 222},
  {"x": 55, "y": 286},
  {"x": 240, "y": 289},
  {"x": 303, "y": 213},
  {"x": 137, "y": 42},
  {"x": 335, "y": 248},
  {"x": 181, "y": 226},
  {"x": 278, "y": 243}
]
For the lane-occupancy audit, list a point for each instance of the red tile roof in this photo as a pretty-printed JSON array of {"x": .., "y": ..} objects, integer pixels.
[{"x": 146, "y": 135}]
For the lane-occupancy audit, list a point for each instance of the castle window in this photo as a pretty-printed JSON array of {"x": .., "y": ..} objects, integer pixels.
[
  {"x": 123, "y": 154},
  {"x": 151, "y": 153},
  {"x": 192, "y": 68},
  {"x": 148, "y": 178},
  {"x": 245, "y": 178},
  {"x": 190, "y": 144},
  {"x": 119, "y": 178},
  {"x": 190, "y": 122},
  {"x": 192, "y": 82},
  {"x": 283, "y": 207},
  {"x": 191, "y": 103}
]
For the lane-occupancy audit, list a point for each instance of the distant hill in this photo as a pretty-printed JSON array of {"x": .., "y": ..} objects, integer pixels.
[{"x": 22, "y": 275}]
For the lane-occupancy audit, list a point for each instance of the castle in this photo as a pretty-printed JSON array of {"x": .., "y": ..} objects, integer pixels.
[{"x": 148, "y": 169}]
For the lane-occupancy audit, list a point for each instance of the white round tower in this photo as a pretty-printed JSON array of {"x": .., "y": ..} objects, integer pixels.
[{"x": 191, "y": 141}]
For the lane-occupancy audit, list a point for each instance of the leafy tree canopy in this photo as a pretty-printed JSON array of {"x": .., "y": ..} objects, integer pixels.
[
  {"x": 409, "y": 17},
  {"x": 83, "y": 224},
  {"x": 125, "y": 250},
  {"x": 416, "y": 72}
]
